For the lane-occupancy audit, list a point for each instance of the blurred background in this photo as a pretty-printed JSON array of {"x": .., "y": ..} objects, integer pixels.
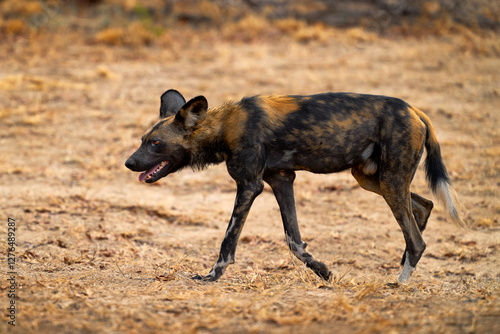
[{"x": 156, "y": 22}]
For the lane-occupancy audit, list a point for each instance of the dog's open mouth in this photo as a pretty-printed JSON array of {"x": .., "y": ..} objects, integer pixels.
[{"x": 153, "y": 171}]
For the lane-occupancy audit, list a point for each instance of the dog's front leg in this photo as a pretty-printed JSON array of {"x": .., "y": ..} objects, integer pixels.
[
  {"x": 282, "y": 184},
  {"x": 245, "y": 195}
]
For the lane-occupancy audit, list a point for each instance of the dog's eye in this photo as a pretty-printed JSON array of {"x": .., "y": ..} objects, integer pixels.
[{"x": 156, "y": 142}]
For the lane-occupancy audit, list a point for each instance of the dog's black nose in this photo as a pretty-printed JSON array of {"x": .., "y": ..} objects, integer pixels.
[{"x": 130, "y": 163}]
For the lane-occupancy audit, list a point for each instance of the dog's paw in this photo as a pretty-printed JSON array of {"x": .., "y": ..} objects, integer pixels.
[
  {"x": 207, "y": 278},
  {"x": 320, "y": 269}
]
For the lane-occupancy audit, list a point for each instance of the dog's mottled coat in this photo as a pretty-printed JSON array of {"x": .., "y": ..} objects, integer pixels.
[{"x": 267, "y": 138}]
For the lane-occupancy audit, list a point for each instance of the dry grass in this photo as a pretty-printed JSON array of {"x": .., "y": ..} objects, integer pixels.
[
  {"x": 20, "y": 8},
  {"x": 136, "y": 34},
  {"x": 99, "y": 252}
]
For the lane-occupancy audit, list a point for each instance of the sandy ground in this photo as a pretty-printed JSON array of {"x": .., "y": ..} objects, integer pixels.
[{"x": 97, "y": 251}]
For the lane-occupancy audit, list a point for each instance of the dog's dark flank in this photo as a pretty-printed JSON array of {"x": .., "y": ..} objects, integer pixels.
[{"x": 267, "y": 138}]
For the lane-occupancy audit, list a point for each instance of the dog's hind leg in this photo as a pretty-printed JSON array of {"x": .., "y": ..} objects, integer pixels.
[
  {"x": 421, "y": 207},
  {"x": 397, "y": 166},
  {"x": 282, "y": 184},
  {"x": 410, "y": 210},
  {"x": 398, "y": 198}
]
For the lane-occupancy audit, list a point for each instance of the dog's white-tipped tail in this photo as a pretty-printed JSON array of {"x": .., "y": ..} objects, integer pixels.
[
  {"x": 449, "y": 198},
  {"x": 436, "y": 173}
]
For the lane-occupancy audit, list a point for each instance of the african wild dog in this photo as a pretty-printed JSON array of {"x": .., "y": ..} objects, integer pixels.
[{"x": 267, "y": 138}]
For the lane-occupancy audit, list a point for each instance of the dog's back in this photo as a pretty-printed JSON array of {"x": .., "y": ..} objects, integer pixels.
[{"x": 324, "y": 133}]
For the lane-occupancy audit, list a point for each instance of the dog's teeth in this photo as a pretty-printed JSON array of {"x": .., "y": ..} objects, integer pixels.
[{"x": 160, "y": 166}]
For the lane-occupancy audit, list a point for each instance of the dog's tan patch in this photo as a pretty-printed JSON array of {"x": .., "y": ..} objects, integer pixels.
[{"x": 277, "y": 107}]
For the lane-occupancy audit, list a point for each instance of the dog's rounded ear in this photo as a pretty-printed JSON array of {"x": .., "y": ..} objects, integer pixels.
[
  {"x": 192, "y": 112},
  {"x": 171, "y": 102}
]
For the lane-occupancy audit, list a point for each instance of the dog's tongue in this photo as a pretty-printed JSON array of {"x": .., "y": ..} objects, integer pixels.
[
  {"x": 145, "y": 174},
  {"x": 142, "y": 176}
]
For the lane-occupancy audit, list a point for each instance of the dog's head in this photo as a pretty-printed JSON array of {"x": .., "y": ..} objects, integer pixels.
[{"x": 165, "y": 147}]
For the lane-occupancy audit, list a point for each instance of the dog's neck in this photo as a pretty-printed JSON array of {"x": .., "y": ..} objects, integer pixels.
[{"x": 211, "y": 141}]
